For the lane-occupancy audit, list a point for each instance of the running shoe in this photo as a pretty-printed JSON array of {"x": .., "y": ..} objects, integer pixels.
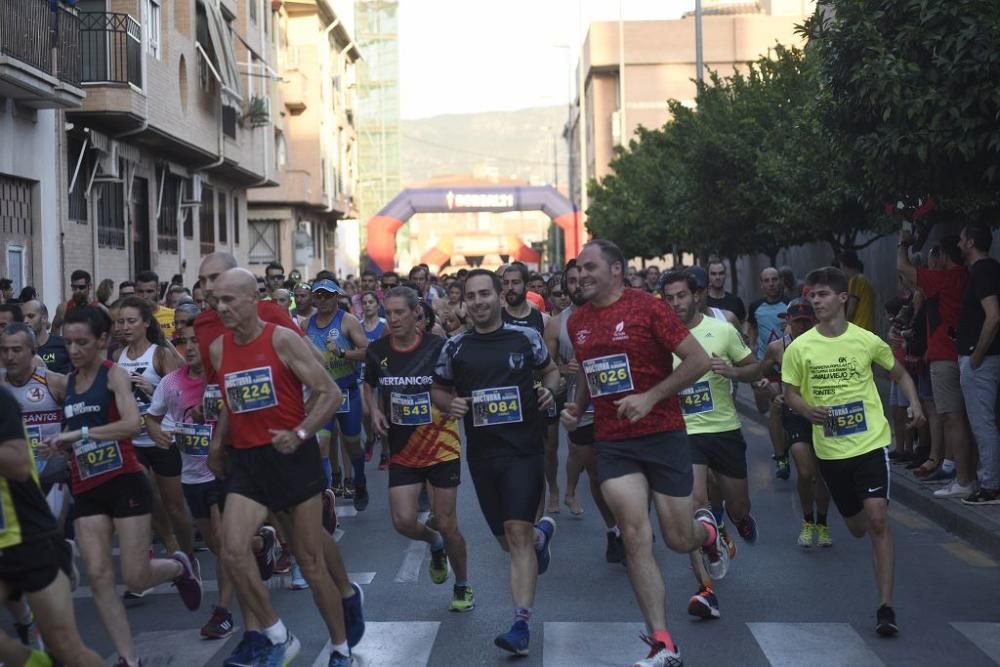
[
  {"x": 383, "y": 462},
  {"x": 704, "y": 604},
  {"x": 29, "y": 635},
  {"x": 615, "y": 553},
  {"x": 361, "y": 497},
  {"x": 220, "y": 625},
  {"x": 954, "y": 490},
  {"x": 659, "y": 655},
  {"x": 348, "y": 488},
  {"x": 251, "y": 646},
  {"x": 338, "y": 660},
  {"x": 283, "y": 564},
  {"x": 885, "y": 623},
  {"x": 297, "y": 582},
  {"x": 462, "y": 599},
  {"x": 983, "y": 497},
  {"x": 747, "y": 528},
  {"x": 516, "y": 639},
  {"x": 439, "y": 565},
  {"x": 547, "y": 525},
  {"x": 265, "y": 558},
  {"x": 329, "y": 511},
  {"x": 338, "y": 486},
  {"x": 823, "y": 536},
  {"x": 807, "y": 534},
  {"x": 131, "y": 596},
  {"x": 781, "y": 467},
  {"x": 354, "y": 615},
  {"x": 715, "y": 556},
  {"x": 187, "y": 582},
  {"x": 279, "y": 655},
  {"x": 728, "y": 541}
]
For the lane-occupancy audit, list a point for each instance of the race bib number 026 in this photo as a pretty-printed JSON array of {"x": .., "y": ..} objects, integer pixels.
[
  {"x": 193, "y": 439},
  {"x": 845, "y": 420},
  {"x": 410, "y": 409},
  {"x": 608, "y": 375},
  {"x": 491, "y": 407},
  {"x": 251, "y": 390},
  {"x": 96, "y": 458},
  {"x": 697, "y": 398}
]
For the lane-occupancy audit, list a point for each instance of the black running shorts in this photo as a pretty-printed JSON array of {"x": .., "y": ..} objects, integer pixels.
[
  {"x": 664, "y": 458},
  {"x": 445, "y": 475},
  {"x": 201, "y": 497},
  {"x": 164, "y": 462},
  {"x": 852, "y": 480},
  {"x": 31, "y": 566},
  {"x": 725, "y": 453},
  {"x": 509, "y": 488},
  {"x": 797, "y": 428},
  {"x": 119, "y": 498},
  {"x": 583, "y": 435},
  {"x": 275, "y": 480}
]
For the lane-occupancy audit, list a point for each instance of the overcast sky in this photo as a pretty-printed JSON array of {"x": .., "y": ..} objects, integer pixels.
[{"x": 462, "y": 56}]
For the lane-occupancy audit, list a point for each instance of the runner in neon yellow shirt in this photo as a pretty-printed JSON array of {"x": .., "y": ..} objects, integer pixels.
[
  {"x": 827, "y": 373},
  {"x": 713, "y": 427}
]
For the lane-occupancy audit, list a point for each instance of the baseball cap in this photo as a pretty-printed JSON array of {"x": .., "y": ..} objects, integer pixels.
[
  {"x": 327, "y": 285},
  {"x": 799, "y": 309},
  {"x": 700, "y": 276}
]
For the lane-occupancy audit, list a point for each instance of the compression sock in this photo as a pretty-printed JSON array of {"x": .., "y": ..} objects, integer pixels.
[
  {"x": 328, "y": 471},
  {"x": 522, "y": 614}
]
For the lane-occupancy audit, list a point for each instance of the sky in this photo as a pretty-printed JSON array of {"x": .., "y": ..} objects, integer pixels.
[{"x": 464, "y": 56}]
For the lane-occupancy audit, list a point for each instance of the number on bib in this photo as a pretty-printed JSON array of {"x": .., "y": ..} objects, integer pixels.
[
  {"x": 251, "y": 390},
  {"x": 608, "y": 375},
  {"x": 697, "y": 398},
  {"x": 491, "y": 407},
  {"x": 97, "y": 458},
  {"x": 410, "y": 409},
  {"x": 845, "y": 420},
  {"x": 193, "y": 439}
]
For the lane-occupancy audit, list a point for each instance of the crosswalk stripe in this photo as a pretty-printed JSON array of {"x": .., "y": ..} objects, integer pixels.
[
  {"x": 388, "y": 644},
  {"x": 276, "y": 582},
  {"x": 597, "y": 644},
  {"x": 986, "y": 637},
  {"x": 409, "y": 571},
  {"x": 173, "y": 647},
  {"x": 813, "y": 645},
  {"x": 346, "y": 511}
]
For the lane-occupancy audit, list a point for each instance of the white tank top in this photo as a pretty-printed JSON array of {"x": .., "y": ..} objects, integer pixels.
[
  {"x": 717, "y": 313},
  {"x": 145, "y": 367},
  {"x": 41, "y": 414}
]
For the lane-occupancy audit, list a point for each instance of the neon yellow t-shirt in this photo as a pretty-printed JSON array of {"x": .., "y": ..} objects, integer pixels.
[
  {"x": 864, "y": 315},
  {"x": 165, "y": 317},
  {"x": 707, "y": 405},
  {"x": 837, "y": 373}
]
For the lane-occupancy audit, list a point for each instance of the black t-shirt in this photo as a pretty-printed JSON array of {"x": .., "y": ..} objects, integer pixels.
[
  {"x": 55, "y": 356},
  {"x": 984, "y": 281},
  {"x": 534, "y": 320},
  {"x": 419, "y": 435},
  {"x": 24, "y": 514},
  {"x": 730, "y": 302},
  {"x": 497, "y": 371}
]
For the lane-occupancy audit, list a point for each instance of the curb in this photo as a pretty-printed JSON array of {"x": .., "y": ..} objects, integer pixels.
[{"x": 979, "y": 526}]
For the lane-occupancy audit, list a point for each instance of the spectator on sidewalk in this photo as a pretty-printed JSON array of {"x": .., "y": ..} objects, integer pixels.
[
  {"x": 979, "y": 357},
  {"x": 861, "y": 295}
]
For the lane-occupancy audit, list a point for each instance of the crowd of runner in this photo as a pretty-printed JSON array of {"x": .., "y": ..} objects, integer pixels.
[{"x": 241, "y": 409}]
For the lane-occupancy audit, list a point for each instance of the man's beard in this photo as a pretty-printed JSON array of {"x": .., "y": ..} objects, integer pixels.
[{"x": 515, "y": 299}]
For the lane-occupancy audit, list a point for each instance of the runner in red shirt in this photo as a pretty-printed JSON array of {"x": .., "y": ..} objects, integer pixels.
[{"x": 624, "y": 340}]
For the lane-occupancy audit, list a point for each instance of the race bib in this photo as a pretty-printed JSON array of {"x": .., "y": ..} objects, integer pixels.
[
  {"x": 193, "y": 439},
  {"x": 345, "y": 405},
  {"x": 96, "y": 458},
  {"x": 211, "y": 403},
  {"x": 845, "y": 420},
  {"x": 251, "y": 390},
  {"x": 697, "y": 398},
  {"x": 608, "y": 375},
  {"x": 410, "y": 409},
  {"x": 491, "y": 407},
  {"x": 35, "y": 439}
]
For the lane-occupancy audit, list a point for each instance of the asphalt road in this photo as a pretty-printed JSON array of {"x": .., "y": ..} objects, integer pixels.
[{"x": 781, "y": 604}]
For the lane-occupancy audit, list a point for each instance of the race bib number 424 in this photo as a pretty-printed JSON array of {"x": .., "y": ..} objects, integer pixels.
[
  {"x": 491, "y": 407},
  {"x": 250, "y": 390},
  {"x": 608, "y": 375},
  {"x": 697, "y": 398}
]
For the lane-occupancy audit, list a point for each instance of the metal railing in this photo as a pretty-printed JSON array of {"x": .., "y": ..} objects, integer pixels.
[
  {"x": 68, "y": 60},
  {"x": 111, "y": 48},
  {"x": 30, "y": 30}
]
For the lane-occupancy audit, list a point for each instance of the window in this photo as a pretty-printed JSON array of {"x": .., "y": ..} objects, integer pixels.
[
  {"x": 223, "y": 219},
  {"x": 187, "y": 192},
  {"x": 206, "y": 220},
  {"x": 229, "y": 119},
  {"x": 166, "y": 223},
  {"x": 151, "y": 26},
  {"x": 15, "y": 267},
  {"x": 110, "y": 215},
  {"x": 78, "y": 197},
  {"x": 236, "y": 220},
  {"x": 263, "y": 241},
  {"x": 253, "y": 10}
]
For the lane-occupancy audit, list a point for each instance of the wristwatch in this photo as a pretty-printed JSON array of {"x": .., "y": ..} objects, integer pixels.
[{"x": 302, "y": 434}]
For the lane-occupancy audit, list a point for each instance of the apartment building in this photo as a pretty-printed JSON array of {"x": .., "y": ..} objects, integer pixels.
[
  {"x": 40, "y": 72},
  {"x": 309, "y": 221},
  {"x": 175, "y": 127}
]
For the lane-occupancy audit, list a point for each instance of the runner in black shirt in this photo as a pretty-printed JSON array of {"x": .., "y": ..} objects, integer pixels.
[
  {"x": 718, "y": 297},
  {"x": 516, "y": 308},
  {"x": 51, "y": 348},
  {"x": 486, "y": 375},
  {"x": 425, "y": 444}
]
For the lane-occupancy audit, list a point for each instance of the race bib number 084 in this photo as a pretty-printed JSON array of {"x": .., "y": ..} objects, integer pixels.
[{"x": 501, "y": 405}]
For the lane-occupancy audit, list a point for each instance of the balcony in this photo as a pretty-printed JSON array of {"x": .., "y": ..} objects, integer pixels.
[{"x": 40, "y": 62}]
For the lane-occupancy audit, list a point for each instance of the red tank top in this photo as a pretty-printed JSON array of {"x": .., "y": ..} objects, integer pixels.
[{"x": 260, "y": 391}]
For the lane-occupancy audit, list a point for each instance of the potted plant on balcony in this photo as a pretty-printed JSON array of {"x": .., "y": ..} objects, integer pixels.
[{"x": 257, "y": 112}]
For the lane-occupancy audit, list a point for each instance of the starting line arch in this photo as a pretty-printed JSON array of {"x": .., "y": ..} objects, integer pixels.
[{"x": 383, "y": 226}]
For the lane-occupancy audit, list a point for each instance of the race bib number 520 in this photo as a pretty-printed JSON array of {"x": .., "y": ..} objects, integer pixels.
[
  {"x": 250, "y": 390},
  {"x": 845, "y": 419},
  {"x": 491, "y": 407},
  {"x": 608, "y": 375}
]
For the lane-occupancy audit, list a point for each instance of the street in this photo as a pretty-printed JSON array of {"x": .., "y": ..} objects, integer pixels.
[{"x": 781, "y": 604}]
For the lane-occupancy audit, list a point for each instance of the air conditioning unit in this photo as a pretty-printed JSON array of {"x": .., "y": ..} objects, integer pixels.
[
  {"x": 195, "y": 195},
  {"x": 108, "y": 165}
]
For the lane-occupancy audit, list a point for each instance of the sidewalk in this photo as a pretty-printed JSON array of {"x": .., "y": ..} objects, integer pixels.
[{"x": 980, "y": 526}]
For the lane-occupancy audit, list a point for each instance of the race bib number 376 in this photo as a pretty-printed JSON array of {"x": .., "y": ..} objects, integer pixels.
[
  {"x": 250, "y": 390},
  {"x": 608, "y": 375},
  {"x": 491, "y": 407}
]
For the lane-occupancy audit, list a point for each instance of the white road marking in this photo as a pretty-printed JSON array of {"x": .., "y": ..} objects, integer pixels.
[
  {"x": 813, "y": 645},
  {"x": 389, "y": 644},
  {"x": 413, "y": 558},
  {"x": 597, "y": 644},
  {"x": 173, "y": 647},
  {"x": 986, "y": 637}
]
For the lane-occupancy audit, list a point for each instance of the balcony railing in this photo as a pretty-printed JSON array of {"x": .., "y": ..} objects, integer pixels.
[
  {"x": 29, "y": 30},
  {"x": 111, "y": 47}
]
